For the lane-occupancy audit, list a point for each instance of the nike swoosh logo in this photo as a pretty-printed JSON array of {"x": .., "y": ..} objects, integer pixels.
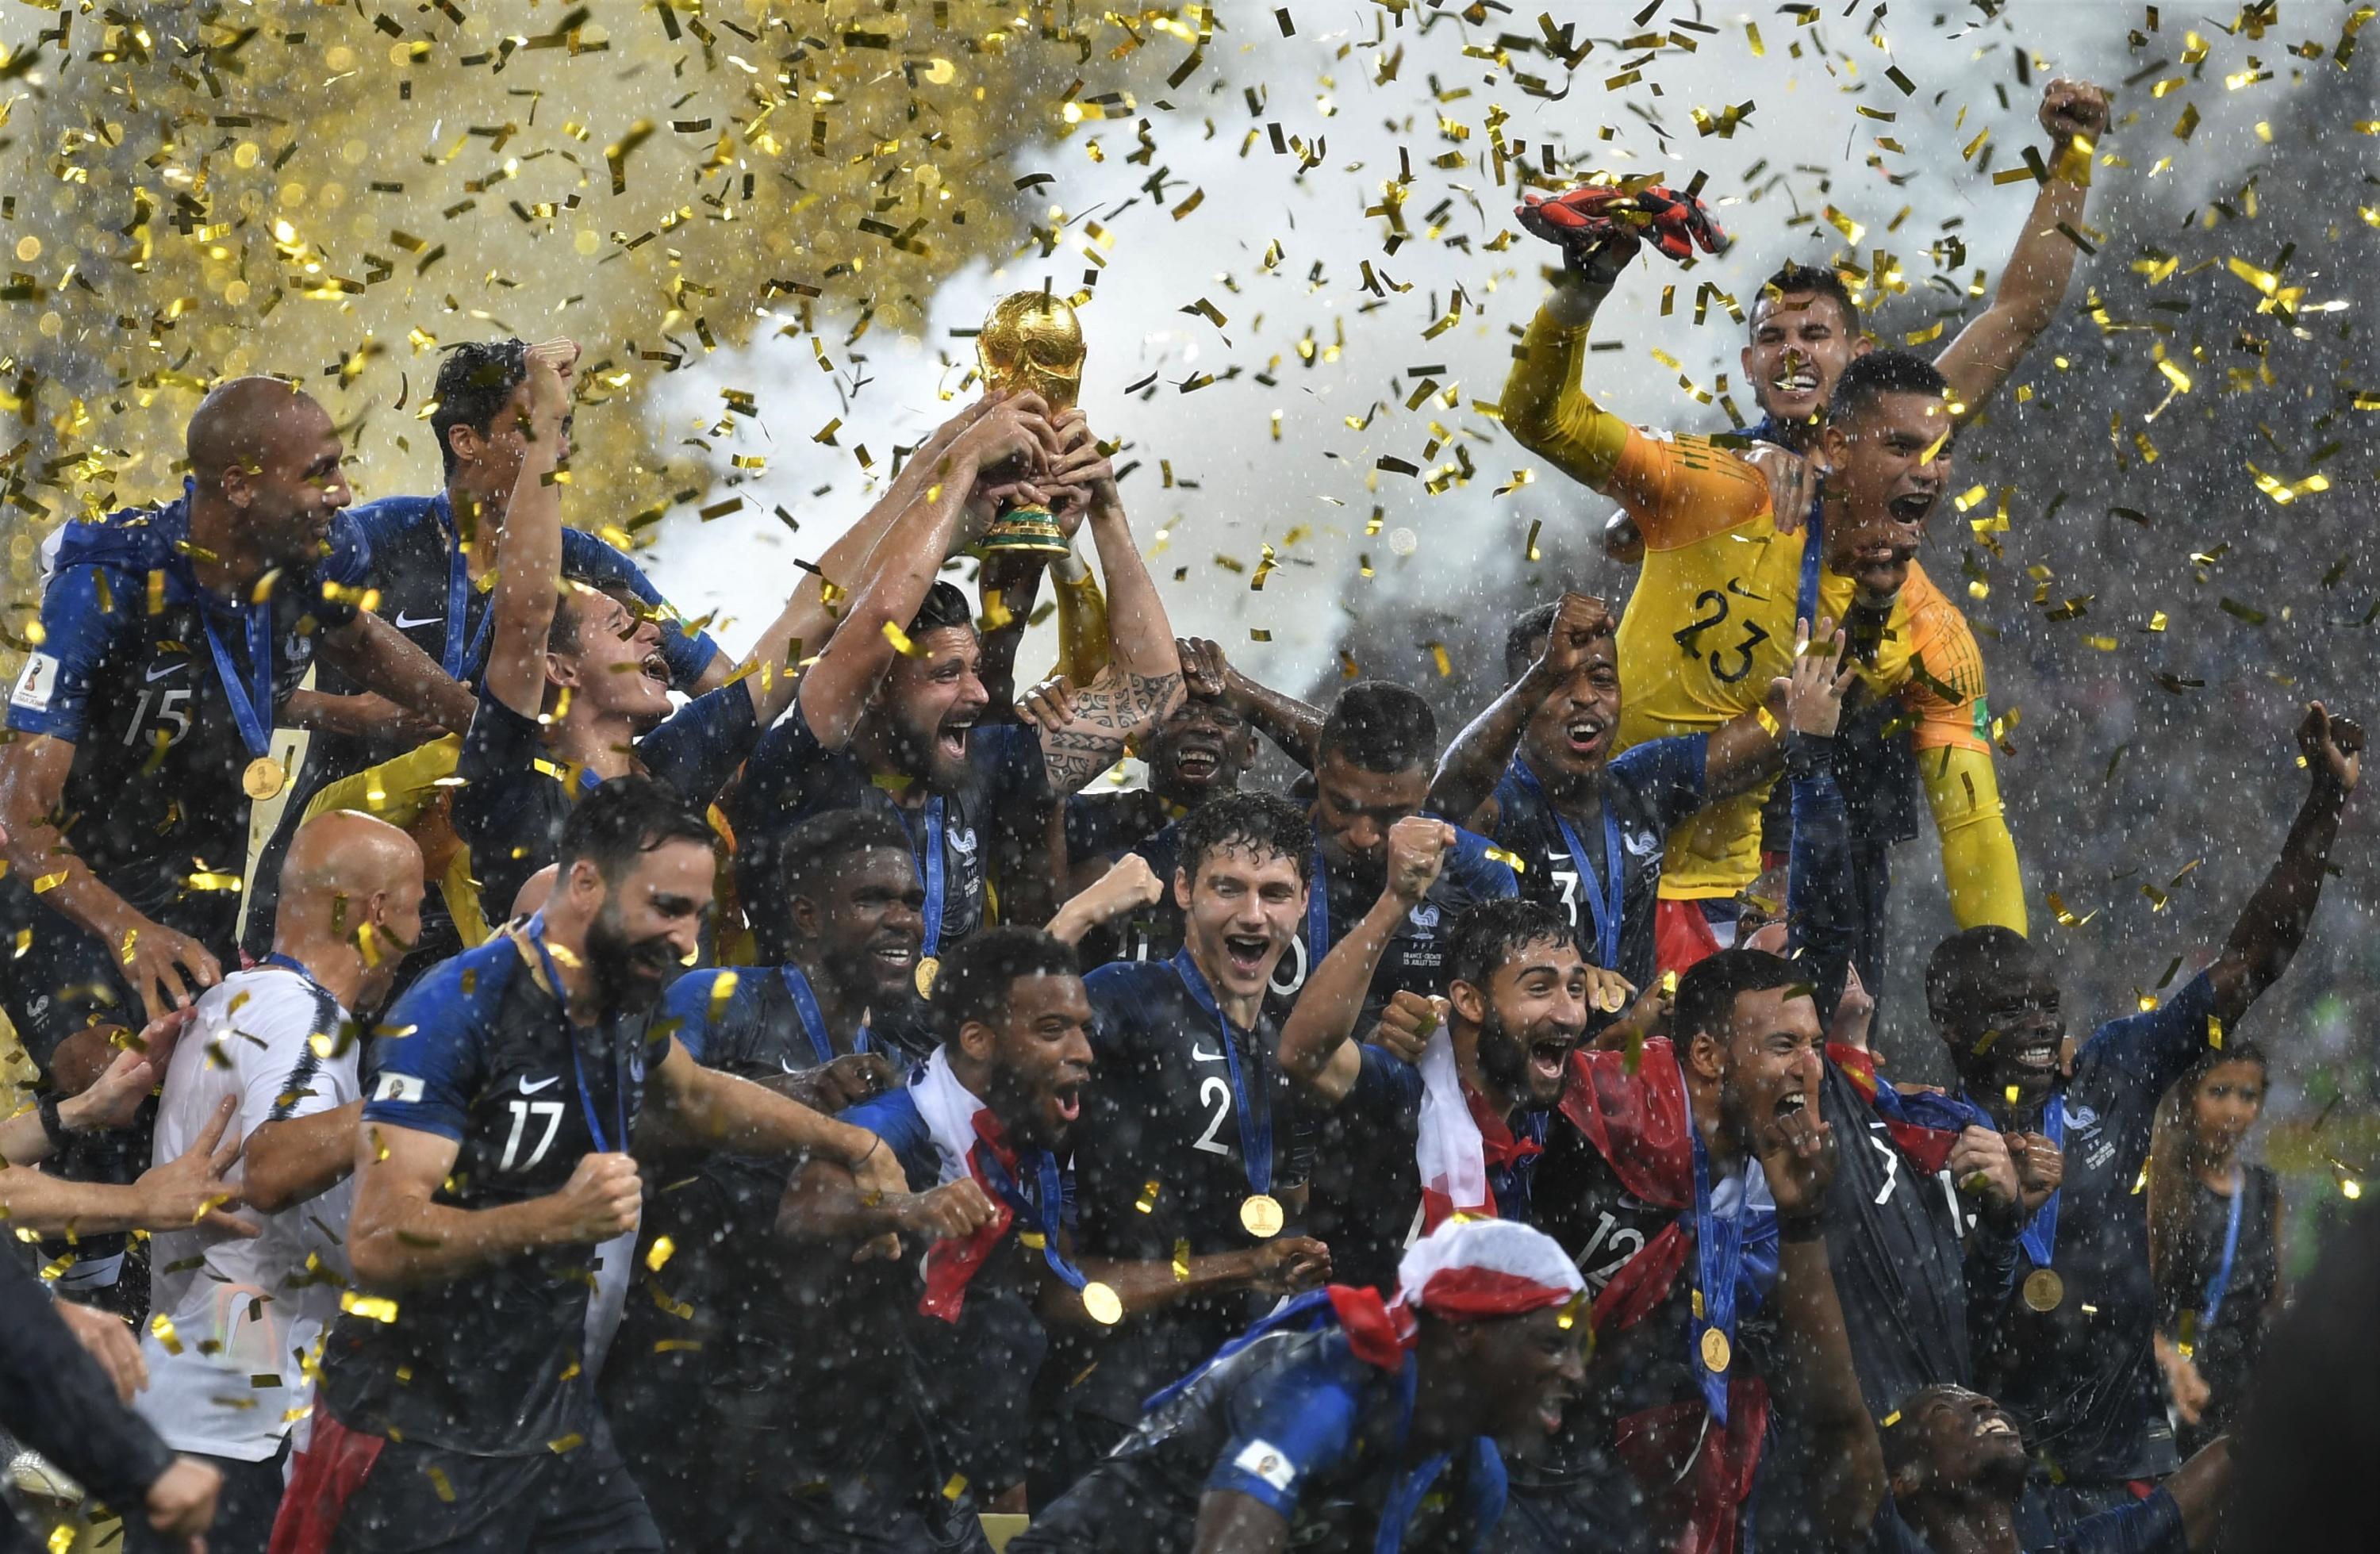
[
  {"x": 157, "y": 672},
  {"x": 786, "y": 1067},
  {"x": 529, "y": 1089},
  {"x": 407, "y": 622},
  {"x": 1200, "y": 1054}
]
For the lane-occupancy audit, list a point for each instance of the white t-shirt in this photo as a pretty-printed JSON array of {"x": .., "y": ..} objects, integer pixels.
[{"x": 246, "y": 1314}]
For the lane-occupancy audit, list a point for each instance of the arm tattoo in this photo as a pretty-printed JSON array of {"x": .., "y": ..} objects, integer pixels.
[{"x": 1118, "y": 705}]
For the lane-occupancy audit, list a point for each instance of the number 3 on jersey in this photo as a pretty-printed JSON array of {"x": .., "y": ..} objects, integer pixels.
[{"x": 1711, "y": 610}]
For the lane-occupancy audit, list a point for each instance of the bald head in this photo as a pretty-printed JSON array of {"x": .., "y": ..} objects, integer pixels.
[
  {"x": 267, "y": 459},
  {"x": 240, "y": 419},
  {"x": 344, "y": 871}
]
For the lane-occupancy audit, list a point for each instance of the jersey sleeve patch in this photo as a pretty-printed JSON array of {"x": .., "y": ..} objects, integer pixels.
[
  {"x": 35, "y": 684},
  {"x": 1267, "y": 1463},
  {"x": 400, "y": 1087}
]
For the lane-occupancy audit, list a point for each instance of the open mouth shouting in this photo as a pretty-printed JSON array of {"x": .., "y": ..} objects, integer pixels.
[
  {"x": 950, "y": 738},
  {"x": 1585, "y": 736},
  {"x": 1247, "y": 953},
  {"x": 1549, "y": 1056},
  {"x": 1912, "y": 507},
  {"x": 1791, "y": 1101},
  {"x": 1064, "y": 1105},
  {"x": 1550, "y": 1407}
]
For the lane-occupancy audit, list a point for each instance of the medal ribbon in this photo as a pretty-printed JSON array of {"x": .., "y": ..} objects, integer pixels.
[
  {"x": 1805, "y": 604},
  {"x": 1318, "y": 913},
  {"x": 536, "y": 935},
  {"x": 2040, "y": 1237},
  {"x": 2219, "y": 1284},
  {"x": 1604, "y": 901},
  {"x": 1719, "y": 1244},
  {"x": 813, "y": 1023},
  {"x": 453, "y": 656},
  {"x": 1256, "y": 1126},
  {"x": 291, "y": 962},
  {"x": 931, "y": 866},
  {"x": 254, "y": 717},
  {"x": 993, "y": 1160}
]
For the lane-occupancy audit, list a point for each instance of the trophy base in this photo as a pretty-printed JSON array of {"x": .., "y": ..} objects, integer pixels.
[{"x": 1022, "y": 532}]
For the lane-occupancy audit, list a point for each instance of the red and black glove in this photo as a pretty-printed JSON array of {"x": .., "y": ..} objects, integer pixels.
[{"x": 1599, "y": 228}]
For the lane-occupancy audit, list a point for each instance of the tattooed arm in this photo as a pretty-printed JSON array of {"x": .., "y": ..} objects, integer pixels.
[{"x": 1143, "y": 679}]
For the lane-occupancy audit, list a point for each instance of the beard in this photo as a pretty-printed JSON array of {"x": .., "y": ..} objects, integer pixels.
[
  {"x": 629, "y": 973},
  {"x": 1503, "y": 1061}
]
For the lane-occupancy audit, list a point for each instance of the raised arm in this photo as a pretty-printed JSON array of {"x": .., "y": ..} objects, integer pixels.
[
  {"x": 1473, "y": 765},
  {"x": 2034, "y": 281},
  {"x": 529, "y": 554},
  {"x": 1293, "y": 725},
  {"x": 1317, "y": 1054},
  {"x": 2272, "y": 924},
  {"x": 1544, "y": 408},
  {"x": 1143, "y": 678},
  {"x": 809, "y": 620},
  {"x": 835, "y": 691}
]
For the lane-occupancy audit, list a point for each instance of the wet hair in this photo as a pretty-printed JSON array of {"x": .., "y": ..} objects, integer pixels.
[
  {"x": 813, "y": 851},
  {"x": 561, "y": 635},
  {"x": 1869, "y": 378},
  {"x": 2169, "y": 1165},
  {"x": 1969, "y": 971},
  {"x": 621, "y": 820},
  {"x": 1492, "y": 931},
  {"x": 1257, "y": 822},
  {"x": 1380, "y": 726},
  {"x": 1797, "y": 279},
  {"x": 1706, "y": 994},
  {"x": 1902, "y": 1441},
  {"x": 945, "y": 605},
  {"x": 474, "y": 382},
  {"x": 980, "y": 973}
]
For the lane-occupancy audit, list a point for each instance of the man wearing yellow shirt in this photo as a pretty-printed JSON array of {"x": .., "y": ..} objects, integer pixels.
[{"x": 1711, "y": 621}]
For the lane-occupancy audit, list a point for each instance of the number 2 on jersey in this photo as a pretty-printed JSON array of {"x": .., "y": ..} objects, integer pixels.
[{"x": 1216, "y": 1093}]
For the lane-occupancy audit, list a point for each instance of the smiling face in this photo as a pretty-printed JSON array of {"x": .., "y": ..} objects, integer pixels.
[
  {"x": 1891, "y": 462},
  {"x": 1801, "y": 343},
  {"x": 1201, "y": 748},
  {"x": 295, "y": 485},
  {"x": 1958, "y": 1440},
  {"x": 1528, "y": 1020},
  {"x": 1038, "y": 1053},
  {"x": 611, "y": 661},
  {"x": 1353, "y": 811},
  {"x": 1570, "y": 732},
  {"x": 1765, "y": 1062},
  {"x": 865, "y": 922},
  {"x": 2226, "y": 1104},
  {"x": 2005, "y": 1044},
  {"x": 1530, "y": 1369},
  {"x": 488, "y": 463},
  {"x": 929, "y": 703},
  {"x": 647, "y": 925},
  {"x": 1241, "y": 913}
]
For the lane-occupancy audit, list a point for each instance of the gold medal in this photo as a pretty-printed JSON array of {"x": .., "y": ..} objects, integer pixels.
[
  {"x": 1261, "y": 1214},
  {"x": 1716, "y": 1350},
  {"x": 2043, "y": 1289},
  {"x": 1104, "y": 1304},
  {"x": 265, "y": 778},
  {"x": 929, "y": 967}
]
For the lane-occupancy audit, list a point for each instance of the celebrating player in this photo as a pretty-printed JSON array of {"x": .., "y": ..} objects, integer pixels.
[{"x": 491, "y": 1164}]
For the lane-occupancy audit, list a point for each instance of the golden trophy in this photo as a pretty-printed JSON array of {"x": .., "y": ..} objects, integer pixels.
[{"x": 1031, "y": 341}]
